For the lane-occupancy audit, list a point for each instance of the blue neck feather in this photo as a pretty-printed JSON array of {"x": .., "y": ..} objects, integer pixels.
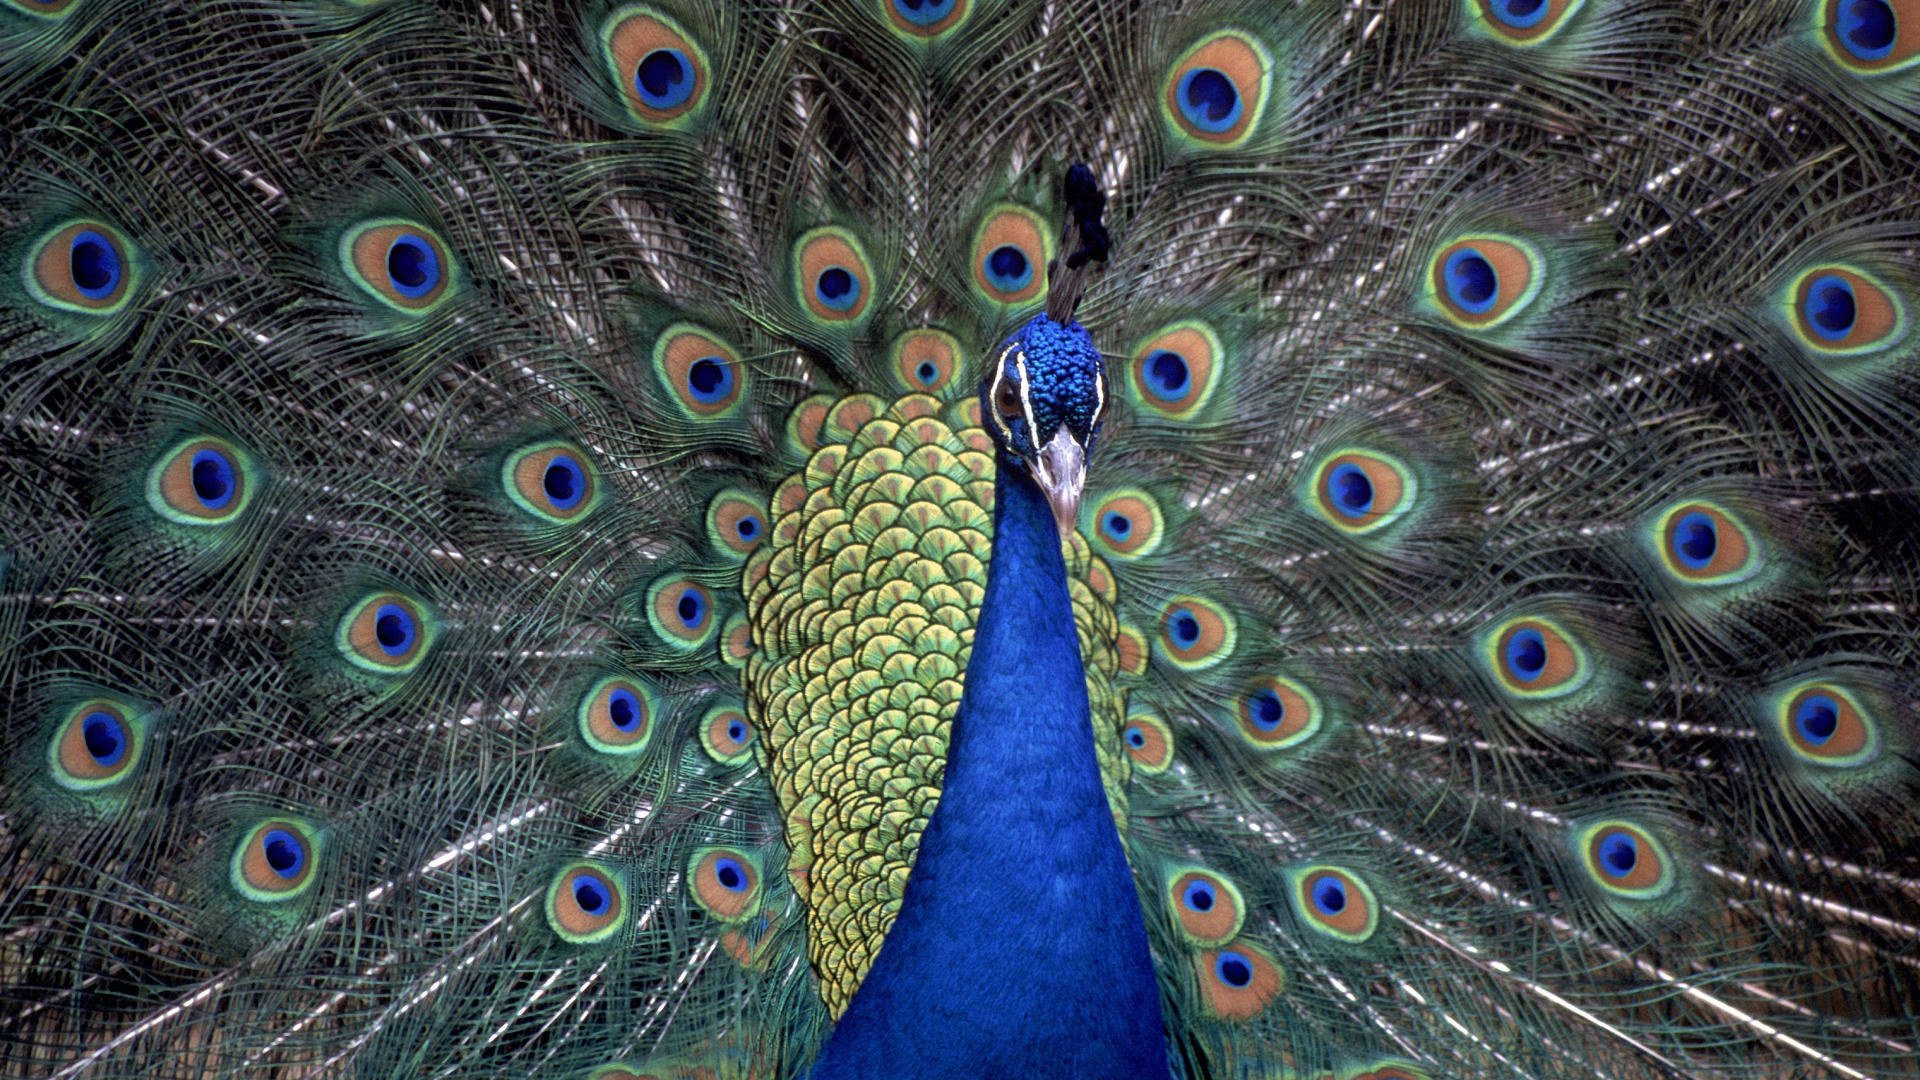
[{"x": 1019, "y": 949}]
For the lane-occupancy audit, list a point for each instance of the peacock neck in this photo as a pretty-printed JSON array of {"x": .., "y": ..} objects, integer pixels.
[{"x": 1020, "y": 947}]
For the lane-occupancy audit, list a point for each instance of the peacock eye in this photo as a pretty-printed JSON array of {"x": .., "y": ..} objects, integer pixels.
[{"x": 1006, "y": 399}]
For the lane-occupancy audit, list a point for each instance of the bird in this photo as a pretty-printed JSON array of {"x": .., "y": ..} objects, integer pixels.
[{"x": 1311, "y": 539}]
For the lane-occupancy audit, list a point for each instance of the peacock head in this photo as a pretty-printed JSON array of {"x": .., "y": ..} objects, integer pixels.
[{"x": 1045, "y": 398}]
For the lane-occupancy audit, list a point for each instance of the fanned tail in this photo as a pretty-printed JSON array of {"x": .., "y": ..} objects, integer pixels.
[{"x": 1495, "y": 568}]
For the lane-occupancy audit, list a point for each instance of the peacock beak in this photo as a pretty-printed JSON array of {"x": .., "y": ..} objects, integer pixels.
[{"x": 1061, "y": 470}]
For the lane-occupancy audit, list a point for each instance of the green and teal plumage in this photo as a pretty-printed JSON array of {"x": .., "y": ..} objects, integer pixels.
[{"x": 498, "y": 509}]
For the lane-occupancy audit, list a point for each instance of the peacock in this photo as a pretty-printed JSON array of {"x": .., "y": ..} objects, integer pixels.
[{"x": 1310, "y": 539}]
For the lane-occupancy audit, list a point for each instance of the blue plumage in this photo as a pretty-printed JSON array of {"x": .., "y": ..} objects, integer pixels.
[
  {"x": 1020, "y": 948},
  {"x": 675, "y": 539}
]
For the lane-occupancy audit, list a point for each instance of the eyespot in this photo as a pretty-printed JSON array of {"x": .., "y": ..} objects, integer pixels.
[
  {"x": 554, "y": 481},
  {"x": 1237, "y": 983},
  {"x": 1482, "y": 281},
  {"x": 1148, "y": 742},
  {"x": 750, "y": 945},
  {"x": 1130, "y": 649},
  {"x": 45, "y": 8},
  {"x": 1215, "y": 94},
  {"x": 727, "y": 735},
  {"x": 83, "y": 266},
  {"x": 1206, "y": 907},
  {"x": 1625, "y": 860},
  {"x": 1842, "y": 311},
  {"x": 1704, "y": 544},
  {"x": 926, "y": 360},
  {"x": 1278, "y": 712},
  {"x": 806, "y": 426},
  {"x": 923, "y": 19},
  {"x": 586, "y": 902},
  {"x": 622, "y": 1072},
  {"x": 1195, "y": 634},
  {"x": 832, "y": 277},
  {"x": 1871, "y": 36},
  {"x": 97, "y": 745},
  {"x": 1336, "y": 903},
  {"x": 701, "y": 372},
  {"x": 275, "y": 862},
  {"x": 1525, "y": 22},
  {"x": 663, "y": 76},
  {"x": 1390, "y": 1070},
  {"x": 726, "y": 882},
  {"x": 1359, "y": 491},
  {"x": 616, "y": 716},
  {"x": 1826, "y": 724},
  {"x": 386, "y": 633},
  {"x": 1536, "y": 658},
  {"x": 680, "y": 610},
  {"x": 201, "y": 481},
  {"x": 1010, "y": 254},
  {"x": 736, "y": 523},
  {"x": 400, "y": 263},
  {"x": 736, "y": 640},
  {"x": 1173, "y": 370},
  {"x": 1127, "y": 524}
]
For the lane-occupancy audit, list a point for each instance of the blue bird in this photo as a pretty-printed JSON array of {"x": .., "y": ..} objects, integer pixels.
[{"x": 874, "y": 539}]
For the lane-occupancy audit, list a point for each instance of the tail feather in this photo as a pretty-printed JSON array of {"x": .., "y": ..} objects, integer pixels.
[{"x": 1498, "y": 537}]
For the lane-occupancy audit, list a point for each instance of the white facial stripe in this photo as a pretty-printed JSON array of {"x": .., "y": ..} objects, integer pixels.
[
  {"x": 1026, "y": 400},
  {"x": 993, "y": 394},
  {"x": 1099, "y": 398}
]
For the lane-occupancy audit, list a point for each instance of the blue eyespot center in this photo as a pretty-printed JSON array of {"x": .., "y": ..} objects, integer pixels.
[
  {"x": 737, "y": 731},
  {"x": 284, "y": 852},
  {"x": 1471, "y": 282},
  {"x": 212, "y": 476},
  {"x": 1008, "y": 268},
  {"x": 1817, "y": 718},
  {"x": 710, "y": 380},
  {"x": 1619, "y": 853},
  {"x": 1266, "y": 710},
  {"x": 1209, "y": 100},
  {"x": 1234, "y": 970},
  {"x": 748, "y": 527},
  {"x": 1198, "y": 896},
  {"x": 924, "y": 12},
  {"x": 730, "y": 874},
  {"x": 1527, "y": 655},
  {"x": 1830, "y": 307},
  {"x": 105, "y": 739},
  {"x": 565, "y": 482},
  {"x": 1166, "y": 375},
  {"x": 393, "y": 629},
  {"x": 1695, "y": 539},
  {"x": 1350, "y": 489},
  {"x": 1867, "y": 28},
  {"x": 591, "y": 895},
  {"x": 664, "y": 79},
  {"x": 692, "y": 608},
  {"x": 624, "y": 710},
  {"x": 412, "y": 266},
  {"x": 1135, "y": 737},
  {"x": 1118, "y": 526},
  {"x": 1330, "y": 896},
  {"x": 837, "y": 288},
  {"x": 1185, "y": 628},
  {"x": 1520, "y": 14},
  {"x": 93, "y": 264},
  {"x": 926, "y": 373}
]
